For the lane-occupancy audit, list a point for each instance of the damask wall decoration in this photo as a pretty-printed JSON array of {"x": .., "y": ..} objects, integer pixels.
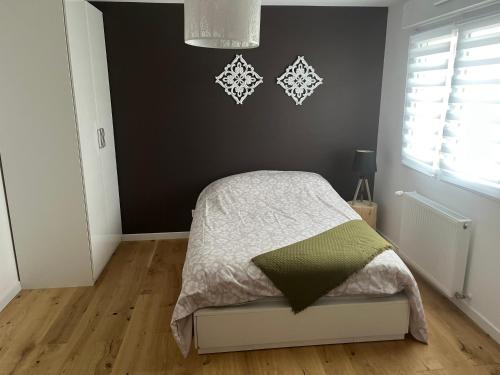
[
  {"x": 239, "y": 79},
  {"x": 299, "y": 80}
]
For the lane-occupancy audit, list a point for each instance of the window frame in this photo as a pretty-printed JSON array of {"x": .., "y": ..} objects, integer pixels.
[{"x": 484, "y": 188}]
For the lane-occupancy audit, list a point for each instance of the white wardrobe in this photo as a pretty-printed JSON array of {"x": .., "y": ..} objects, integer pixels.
[
  {"x": 89, "y": 70},
  {"x": 56, "y": 140}
]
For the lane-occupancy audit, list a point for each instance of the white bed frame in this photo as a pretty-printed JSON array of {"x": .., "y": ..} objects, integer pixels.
[{"x": 270, "y": 323}]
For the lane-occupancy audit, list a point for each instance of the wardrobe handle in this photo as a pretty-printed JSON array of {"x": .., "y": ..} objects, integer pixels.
[
  {"x": 103, "y": 134},
  {"x": 99, "y": 138}
]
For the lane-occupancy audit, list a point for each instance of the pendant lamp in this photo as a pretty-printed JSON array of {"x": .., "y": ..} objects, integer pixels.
[{"x": 225, "y": 24}]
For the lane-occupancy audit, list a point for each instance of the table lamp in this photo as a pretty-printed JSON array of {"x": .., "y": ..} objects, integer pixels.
[{"x": 365, "y": 165}]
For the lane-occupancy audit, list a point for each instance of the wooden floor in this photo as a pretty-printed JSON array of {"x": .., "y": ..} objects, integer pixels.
[{"x": 121, "y": 326}]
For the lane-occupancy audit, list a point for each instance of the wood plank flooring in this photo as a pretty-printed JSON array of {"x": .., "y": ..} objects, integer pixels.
[{"x": 121, "y": 326}]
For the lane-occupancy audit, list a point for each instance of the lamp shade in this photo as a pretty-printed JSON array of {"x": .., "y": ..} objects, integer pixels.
[
  {"x": 226, "y": 24},
  {"x": 365, "y": 162}
]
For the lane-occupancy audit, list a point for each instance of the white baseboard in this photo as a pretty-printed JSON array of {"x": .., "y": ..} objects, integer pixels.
[
  {"x": 154, "y": 236},
  {"x": 477, "y": 318},
  {"x": 9, "y": 295},
  {"x": 465, "y": 307}
]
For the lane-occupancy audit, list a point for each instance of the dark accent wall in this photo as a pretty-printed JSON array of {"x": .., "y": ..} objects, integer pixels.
[{"x": 176, "y": 130}]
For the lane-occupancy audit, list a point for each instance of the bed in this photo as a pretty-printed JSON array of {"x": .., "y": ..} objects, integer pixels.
[{"x": 230, "y": 304}]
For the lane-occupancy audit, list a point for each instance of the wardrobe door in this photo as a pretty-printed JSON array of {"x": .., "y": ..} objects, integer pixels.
[
  {"x": 113, "y": 229},
  {"x": 86, "y": 115}
]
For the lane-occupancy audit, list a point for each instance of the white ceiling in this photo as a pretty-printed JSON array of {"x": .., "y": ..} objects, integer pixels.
[{"x": 358, "y": 3}]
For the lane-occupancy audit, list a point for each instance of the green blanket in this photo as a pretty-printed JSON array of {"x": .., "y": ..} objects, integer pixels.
[{"x": 307, "y": 270}]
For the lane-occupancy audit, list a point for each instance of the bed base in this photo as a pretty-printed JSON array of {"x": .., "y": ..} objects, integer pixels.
[{"x": 270, "y": 323}]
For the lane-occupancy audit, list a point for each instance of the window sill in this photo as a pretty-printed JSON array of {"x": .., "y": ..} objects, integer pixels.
[
  {"x": 422, "y": 168},
  {"x": 489, "y": 192}
]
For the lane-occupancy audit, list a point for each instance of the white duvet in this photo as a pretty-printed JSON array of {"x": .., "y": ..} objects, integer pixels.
[{"x": 239, "y": 217}]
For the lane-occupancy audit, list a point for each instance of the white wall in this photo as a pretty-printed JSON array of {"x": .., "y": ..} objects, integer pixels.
[
  {"x": 484, "y": 274},
  {"x": 9, "y": 284}
]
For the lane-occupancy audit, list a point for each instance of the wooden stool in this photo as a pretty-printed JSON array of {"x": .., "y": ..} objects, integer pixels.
[{"x": 367, "y": 210}]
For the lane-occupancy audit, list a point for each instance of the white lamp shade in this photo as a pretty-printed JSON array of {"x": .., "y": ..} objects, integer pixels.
[{"x": 226, "y": 24}]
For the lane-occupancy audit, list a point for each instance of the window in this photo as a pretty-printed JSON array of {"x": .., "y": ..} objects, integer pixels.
[{"x": 452, "y": 117}]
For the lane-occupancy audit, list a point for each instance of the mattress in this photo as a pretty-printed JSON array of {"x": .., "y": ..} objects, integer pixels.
[{"x": 239, "y": 217}]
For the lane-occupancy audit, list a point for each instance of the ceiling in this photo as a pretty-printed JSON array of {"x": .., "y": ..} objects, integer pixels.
[{"x": 373, "y": 3}]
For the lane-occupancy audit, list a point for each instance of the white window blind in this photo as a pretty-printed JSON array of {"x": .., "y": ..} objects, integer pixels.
[
  {"x": 452, "y": 117},
  {"x": 430, "y": 61}
]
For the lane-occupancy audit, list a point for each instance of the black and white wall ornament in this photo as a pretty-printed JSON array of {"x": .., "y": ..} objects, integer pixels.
[
  {"x": 299, "y": 80},
  {"x": 239, "y": 79}
]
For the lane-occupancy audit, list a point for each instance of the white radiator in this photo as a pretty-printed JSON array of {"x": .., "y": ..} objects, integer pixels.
[{"x": 435, "y": 241}]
